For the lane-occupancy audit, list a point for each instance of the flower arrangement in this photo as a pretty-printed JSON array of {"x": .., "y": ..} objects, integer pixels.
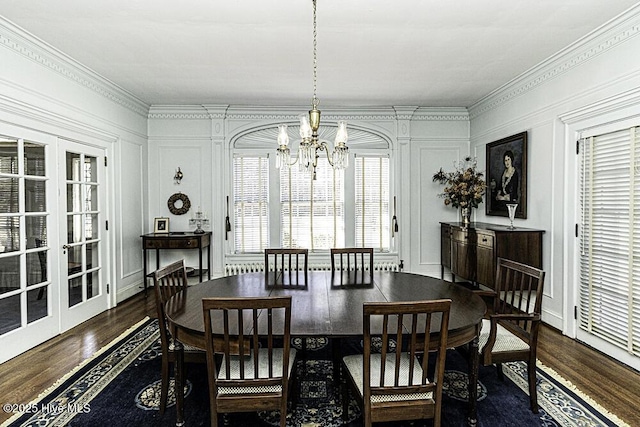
[{"x": 464, "y": 187}]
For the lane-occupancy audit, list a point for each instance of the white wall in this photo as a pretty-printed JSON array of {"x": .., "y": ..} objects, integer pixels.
[
  {"x": 44, "y": 91},
  {"x": 598, "y": 70},
  {"x": 198, "y": 139}
]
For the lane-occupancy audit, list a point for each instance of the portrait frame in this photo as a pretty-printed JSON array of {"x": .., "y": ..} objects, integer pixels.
[
  {"x": 161, "y": 225},
  {"x": 502, "y": 191}
]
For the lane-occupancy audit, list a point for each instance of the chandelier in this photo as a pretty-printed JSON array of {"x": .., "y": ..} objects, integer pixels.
[{"x": 310, "y": 145}]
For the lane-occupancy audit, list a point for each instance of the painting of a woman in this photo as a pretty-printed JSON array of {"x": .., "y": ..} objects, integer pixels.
[
  {"x": 509, "y": 182},
  {"x": 507, "y": 175}
]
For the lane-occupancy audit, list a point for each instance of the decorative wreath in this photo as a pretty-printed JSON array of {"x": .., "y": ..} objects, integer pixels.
[{"x": 186, "y": 204}]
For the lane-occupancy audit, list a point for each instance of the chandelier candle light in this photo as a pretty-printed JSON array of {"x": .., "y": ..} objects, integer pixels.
[{"x": 310, "y": 144}]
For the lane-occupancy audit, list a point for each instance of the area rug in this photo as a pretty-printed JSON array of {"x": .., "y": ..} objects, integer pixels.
[{"x": 120, "y": 386}]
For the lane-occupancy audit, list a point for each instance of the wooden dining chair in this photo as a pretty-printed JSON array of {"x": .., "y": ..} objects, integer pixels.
[
  {"x": 169, "y": 281},
  {"x": 286, "y": 266},
  {"x": 354, "y": 265},
  {"x": 511, "y": 332},
  {"x": 393, "y": 384},
  {"x": 259, "y": 380}
]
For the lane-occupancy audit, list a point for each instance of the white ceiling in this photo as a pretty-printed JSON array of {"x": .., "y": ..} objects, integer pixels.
[{"x": 259, "y": 52}]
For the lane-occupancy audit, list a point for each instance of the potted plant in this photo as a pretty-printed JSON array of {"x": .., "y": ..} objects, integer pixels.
[{"x": 464, "y": 187}]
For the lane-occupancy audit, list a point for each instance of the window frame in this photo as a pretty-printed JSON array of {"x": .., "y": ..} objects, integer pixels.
[{"x": 274, "y": 185}]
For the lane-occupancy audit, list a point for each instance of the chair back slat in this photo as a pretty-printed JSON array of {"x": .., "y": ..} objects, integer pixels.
[
  {"x": 249, "y": 314},
  {"x": 287, "y": 267},
  {"x": 519, "y": 290},
  {"x": 354, "y": 265},
  {"x": 168, "y": 281},
  {"x": 412, "y": 323}
]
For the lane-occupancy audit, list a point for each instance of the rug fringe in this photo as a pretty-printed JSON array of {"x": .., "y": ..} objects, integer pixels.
[
  {"x": 568, "y": 384},
  {"x": 76, "y": 369}
]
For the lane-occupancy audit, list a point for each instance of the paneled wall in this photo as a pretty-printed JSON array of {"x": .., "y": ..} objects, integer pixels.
[
  {"x": 597, "y": 79},
  {"x": 198, "y": 139},
  {"x": 46, "y": 97}
]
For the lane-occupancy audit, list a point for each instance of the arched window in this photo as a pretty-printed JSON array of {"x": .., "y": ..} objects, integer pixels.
[{"x": 288, "y": 208}]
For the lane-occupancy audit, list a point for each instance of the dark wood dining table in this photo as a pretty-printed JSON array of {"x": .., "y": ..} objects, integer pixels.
[{"x": 330, "y": 305}]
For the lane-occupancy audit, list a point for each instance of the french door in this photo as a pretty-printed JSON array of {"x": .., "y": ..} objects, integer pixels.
[
  {"x": 28, "y": 295},
  {"x": 608, "y": 311},
  {"x": 84, "y": 251}
]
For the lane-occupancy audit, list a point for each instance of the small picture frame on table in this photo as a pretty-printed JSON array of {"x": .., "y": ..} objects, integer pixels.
[
  {"x": 507, "y": 176},
  {"x": 161, "y": 225}
]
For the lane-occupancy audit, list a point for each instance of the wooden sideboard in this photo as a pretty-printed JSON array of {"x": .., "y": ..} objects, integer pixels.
[
  {"x": 471, "y": 254},
  {"x": 177, "y": 240}
]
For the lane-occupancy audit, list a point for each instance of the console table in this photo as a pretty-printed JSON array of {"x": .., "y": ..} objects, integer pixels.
[
  {"x": 471, "y": 253},
  {"x": 177, "y": 240}
]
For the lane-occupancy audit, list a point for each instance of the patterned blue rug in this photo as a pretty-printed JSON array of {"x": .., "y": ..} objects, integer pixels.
[{"x": 120, "y": 386}]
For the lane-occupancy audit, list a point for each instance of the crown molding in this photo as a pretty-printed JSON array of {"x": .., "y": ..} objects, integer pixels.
[
  {"x": 34, "y": 49},
  {"x": 441, "y": 114},
  {"x": 179, "y": 112},
  {"x": 608, "y": 36}
]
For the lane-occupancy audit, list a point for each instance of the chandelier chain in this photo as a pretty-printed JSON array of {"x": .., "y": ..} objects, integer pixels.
[{"x": 315, "y": 57}]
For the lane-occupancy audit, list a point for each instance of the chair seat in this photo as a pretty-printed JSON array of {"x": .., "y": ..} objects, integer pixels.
[
  {"x": 263, "y": 371},
  {"x": 354, "y": 365},
  {"x": 505, "y": 340}
]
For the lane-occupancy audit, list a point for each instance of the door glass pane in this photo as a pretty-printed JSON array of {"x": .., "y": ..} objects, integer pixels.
[
  {"x": 74, "y": 228},
  {"x": 9, "y": 195},
  {"x": 75, "y": 291},
  {"x": 10, "y": 309},
  {"x": 91, "y": 227},
  {"x": 36, "y": 267},
  {"x": 73, "y": 198},
  {"x": 8, "y": 155},
  {"x": 37, "y": 304},
  {"x": 35, "y": 195},
  {"x": 36, "y": 231},
  {"x": 74, "y": 258},
  {"x": 73, "y": 167},
  {"x": 90, "y": 169},
  {"x": 9, "y": 234},
  {"x": 9, "y": 274},
  {"x": 34, "y": 163},
  {"x": 91, "y": 198},
  {"x": 93, "y": 260},
  {"x": 93, "y": 284}
]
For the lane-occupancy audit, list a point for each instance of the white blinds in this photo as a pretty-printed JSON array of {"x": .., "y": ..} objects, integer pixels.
[
  {"x": 251, "y": 203},
  {"x": 309, "y": 213},
  {"x": 312, "y": 213},
  {"x": 610, "y": 238},
  {"x": 372, "y": 202}
]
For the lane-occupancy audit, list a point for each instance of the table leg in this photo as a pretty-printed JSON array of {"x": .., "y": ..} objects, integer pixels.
[
  {"x": 209, "y": 262},
  {"x": 144, "y": 274},
  {"x": 336, "y": 354},
  {"x": 474, "y": 360},
  {"x": 179, "y": 382},
  {"x": 200, "y": 261}
]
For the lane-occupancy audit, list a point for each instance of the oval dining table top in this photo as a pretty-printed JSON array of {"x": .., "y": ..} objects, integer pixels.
[{"x": 329, "y": 305}]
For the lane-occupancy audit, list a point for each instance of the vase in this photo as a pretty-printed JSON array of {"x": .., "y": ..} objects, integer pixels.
[
  {"x": 512, "y": 213},
  {"x": 465, "y": 217}
]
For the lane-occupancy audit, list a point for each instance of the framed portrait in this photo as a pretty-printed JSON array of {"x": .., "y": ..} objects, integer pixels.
[
  {"x": 507, "y": 175},
  {"x": 161, "y": 225}
]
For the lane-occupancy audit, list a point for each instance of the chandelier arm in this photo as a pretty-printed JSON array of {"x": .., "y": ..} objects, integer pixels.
[{"x": 323, "y": 146}]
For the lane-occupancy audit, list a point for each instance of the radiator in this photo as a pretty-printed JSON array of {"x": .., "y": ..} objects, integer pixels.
[{"x": 233, "y": 269}]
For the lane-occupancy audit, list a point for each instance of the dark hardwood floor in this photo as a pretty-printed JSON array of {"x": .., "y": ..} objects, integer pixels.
[{"x": 22, "y": 379}]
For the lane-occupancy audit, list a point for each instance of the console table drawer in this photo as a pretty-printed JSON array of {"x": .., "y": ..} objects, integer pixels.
[{"x": 184, "y": 243}]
